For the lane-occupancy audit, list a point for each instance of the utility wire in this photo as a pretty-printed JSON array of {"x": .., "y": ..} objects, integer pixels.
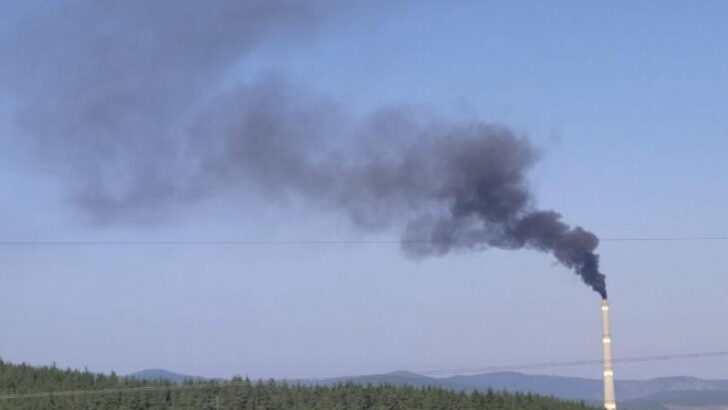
[
  {"x": 314, "y": 241},
  {"x": 577, "y": 363},
  {"x": 222, "y": 385}
]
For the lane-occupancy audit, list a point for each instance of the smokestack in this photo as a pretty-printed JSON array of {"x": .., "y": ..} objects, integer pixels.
[{"x": 609, "y": 399}]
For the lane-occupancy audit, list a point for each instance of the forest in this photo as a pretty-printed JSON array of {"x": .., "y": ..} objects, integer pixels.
[{"x": 44, "y": 388}]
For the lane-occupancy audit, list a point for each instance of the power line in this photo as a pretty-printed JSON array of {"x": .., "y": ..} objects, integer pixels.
[
  {"x": 575, "y": 363},
  {"x": 312, "y": 241},
  {"x": 674, "y": 238},
  {"x": 116, "y": 390}
]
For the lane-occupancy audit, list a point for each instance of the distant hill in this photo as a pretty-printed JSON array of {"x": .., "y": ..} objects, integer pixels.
[
  {"x": 399, "y": 378},
  {"x": 161, "y": 374},
  {"x": 680, "y": 400},
  {"x": 662, "y": 393},
  {"x": 567, "y": 387},
  {"x": 678, "y": 392},
  {"x": 24, "y": 387}
]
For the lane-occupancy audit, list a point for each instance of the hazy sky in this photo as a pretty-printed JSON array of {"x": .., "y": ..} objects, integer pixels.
[{"x": 626, "y": 102}]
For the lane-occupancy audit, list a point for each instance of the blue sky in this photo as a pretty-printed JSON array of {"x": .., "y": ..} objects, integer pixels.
[{"x": 625, "y": 100}]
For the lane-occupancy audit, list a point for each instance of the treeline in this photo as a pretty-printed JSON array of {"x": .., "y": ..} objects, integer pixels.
[
  {"x": 23, "y": 378},
  {"x": 45, "y": 388}
]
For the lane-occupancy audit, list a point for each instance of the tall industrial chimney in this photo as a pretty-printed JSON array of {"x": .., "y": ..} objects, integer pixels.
[{"x": 609, "y": 400}]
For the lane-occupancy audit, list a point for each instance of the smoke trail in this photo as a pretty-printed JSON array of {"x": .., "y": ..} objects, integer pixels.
[
  {"x": 104, "y": 89},
  {"x": 127, "y": 100}
]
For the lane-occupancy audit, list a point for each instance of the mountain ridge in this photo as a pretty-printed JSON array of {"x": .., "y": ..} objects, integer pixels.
[
  {"x": 655, "y": 393},
  {"x": 163, "y": 374}
]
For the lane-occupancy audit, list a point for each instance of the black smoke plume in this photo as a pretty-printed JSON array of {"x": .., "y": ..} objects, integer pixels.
[{"x": 131, "y": 103}]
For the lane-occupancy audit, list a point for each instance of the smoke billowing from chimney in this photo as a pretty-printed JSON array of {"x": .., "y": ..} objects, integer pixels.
[{"x": 131, "y": 103}]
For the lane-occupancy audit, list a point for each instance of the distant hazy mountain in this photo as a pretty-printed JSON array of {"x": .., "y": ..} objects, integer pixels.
[
  {"x": 663, "y": 393},
  {"x": 681, "y": 400},
  {"x": 574, "y": 388},
  {"x": 161, "y": 374},
  {"x": 586, "y": 389},
  {"x": 400, "y": 378},
  {"x": 678, "y": 392}
]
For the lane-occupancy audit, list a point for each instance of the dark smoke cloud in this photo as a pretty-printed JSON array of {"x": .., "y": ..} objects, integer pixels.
[
  {"x": 128, "y": 102},
  {"x": 105, "y": 89}
]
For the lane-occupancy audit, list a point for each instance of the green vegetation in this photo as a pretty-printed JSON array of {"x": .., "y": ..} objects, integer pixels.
[{"x": 25, "y": 387}]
